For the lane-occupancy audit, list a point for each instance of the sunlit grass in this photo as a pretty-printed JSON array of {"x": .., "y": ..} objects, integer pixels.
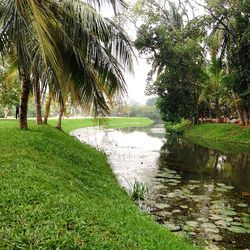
[
  {"x": 220, "y": 132},
  {"x": 57, "y": 193}
]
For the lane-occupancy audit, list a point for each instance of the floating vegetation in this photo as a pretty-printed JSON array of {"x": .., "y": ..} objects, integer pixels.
[
  {"x": 200, "y": 209},
  {"x": 162, "y": 206},
  {"x": 192, "y": 223},
  {"x": 242, "y": 205},
  {"x": 172, "y": 227},
  {"x": 237, "y": 229}
]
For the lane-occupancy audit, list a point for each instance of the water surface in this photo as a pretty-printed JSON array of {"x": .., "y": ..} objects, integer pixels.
[{"x": 194, "y": 190}]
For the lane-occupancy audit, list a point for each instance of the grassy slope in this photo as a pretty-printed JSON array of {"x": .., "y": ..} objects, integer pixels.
[
  {"x": 57, "y": 192},
  {"x": 71, "y": 124},
  {"x": 220, "y": 132}
]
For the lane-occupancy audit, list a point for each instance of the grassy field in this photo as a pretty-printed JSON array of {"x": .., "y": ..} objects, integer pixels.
[
  {"x": 123, "y": 122},
  {"x": 228, "y": 133},
  {"x": 57, "y": 193}
]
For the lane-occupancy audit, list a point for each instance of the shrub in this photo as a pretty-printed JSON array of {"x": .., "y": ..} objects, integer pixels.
[{"x": 177, "y": 129}]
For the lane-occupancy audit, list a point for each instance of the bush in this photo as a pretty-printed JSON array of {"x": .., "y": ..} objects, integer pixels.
[{"x": 177, "y": 129}]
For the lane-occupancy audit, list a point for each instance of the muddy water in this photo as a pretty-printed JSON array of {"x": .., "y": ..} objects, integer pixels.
[{"x": 194, "y": 190}]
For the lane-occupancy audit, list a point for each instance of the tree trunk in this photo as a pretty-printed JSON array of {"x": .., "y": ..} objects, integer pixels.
[
  {"x": 37, "y": 91},
  {"x": 242, "y": 119},
  {"x": 246, "y": 116},
  {"x": 26, "y": 85},
  {"x": 217, "y": 107},
  {"x": 59, "y": 122},
  {"x": 47, "y": 108}
]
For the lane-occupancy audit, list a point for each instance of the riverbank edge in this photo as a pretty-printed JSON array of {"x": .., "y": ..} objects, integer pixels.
[
  {"x": 221, "y": 132},
  {"x": 68, "y": 197}
]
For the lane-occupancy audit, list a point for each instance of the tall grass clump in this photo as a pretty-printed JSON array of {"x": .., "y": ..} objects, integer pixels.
[{"x": 138, "y": 190}]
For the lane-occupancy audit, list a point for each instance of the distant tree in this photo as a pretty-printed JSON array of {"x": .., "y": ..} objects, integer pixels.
[
  {"x": 9, "y": 89},
  {"x": 62, "y": 40},
  {"x": 151, "y": 101}
]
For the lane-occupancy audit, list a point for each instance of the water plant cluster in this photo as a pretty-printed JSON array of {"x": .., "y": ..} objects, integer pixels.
[{"x": 205, "y": 211}]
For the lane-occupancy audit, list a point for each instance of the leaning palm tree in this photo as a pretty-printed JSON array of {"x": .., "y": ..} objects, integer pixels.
[{"x": 70, "y": 40}]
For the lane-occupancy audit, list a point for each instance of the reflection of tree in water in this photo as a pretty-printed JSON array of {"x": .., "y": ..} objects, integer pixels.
[{"x": 195, "y": 161}]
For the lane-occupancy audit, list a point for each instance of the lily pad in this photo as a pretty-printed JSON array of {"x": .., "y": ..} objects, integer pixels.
[
  {"x": 203, "y": 219},
  {"x": 235, "y": 223},
  {"x": 199, "y": 198},
  {"x": 164, "y": 214},
  {"x": 194, "y": 181},
  {"x": 242, "y": 205},
  {"x": 172, "y": 227},
  {"x": 212, "y": 247},
  {"x": 228, "y": 212},
  {"x": 192, "y": 223},
  {"x": 172, "y": 183},
  {"x": 236, "y": 229},
  {"x": 159, "y": 187},
  {"x": 215, "y": 237},
  {"x": 211, "y": 230},
  {"x": 171, "y": 195},
  {"x": 221, "y": 189},
  {"x": 162, "y": 206},
  {"x": 208, "y": 225},
  {"x": 176, "y": 211},
  {"x": 222, "y": 223},
  {"x": 215, "y": 217}
]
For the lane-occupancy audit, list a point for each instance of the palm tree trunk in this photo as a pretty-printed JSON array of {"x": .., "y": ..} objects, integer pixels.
[
  {"x": 47, "y": 108},
  {"x": 37, "y": 89},
  {"x": 59, "y": 122},
  {"x": 26, "y": 84}
]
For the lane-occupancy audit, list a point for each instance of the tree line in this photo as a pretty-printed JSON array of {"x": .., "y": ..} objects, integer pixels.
[
  {"x": 200, "y": 56},
  {"x": 64, "y": 51}
]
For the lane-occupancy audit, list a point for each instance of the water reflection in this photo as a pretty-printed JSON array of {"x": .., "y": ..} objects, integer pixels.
[
  {"x": 133, "y": 154},
  {"x": 193, "y": 161},
  {"x": 193, "y": 189}
]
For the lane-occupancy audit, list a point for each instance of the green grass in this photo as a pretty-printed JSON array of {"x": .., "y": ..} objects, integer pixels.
[
  {"x": 123, "y": 122},
  {"x": 57, "y": 193},
  {"x": 225, "y": 133}
]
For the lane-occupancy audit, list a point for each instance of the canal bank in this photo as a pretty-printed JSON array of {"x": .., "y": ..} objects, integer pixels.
[
  {"x": 59, "y": 193},
  {"x": 220, "y": 132}
]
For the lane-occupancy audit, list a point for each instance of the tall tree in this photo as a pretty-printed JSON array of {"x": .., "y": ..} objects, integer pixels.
[{"x": 69, "y": 39}]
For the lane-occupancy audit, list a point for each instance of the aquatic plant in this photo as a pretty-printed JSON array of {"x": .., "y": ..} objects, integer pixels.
[{"x": 137, "y": 190}]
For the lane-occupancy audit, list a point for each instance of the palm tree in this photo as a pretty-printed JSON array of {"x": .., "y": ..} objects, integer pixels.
[
  {"x": 69, "y": 40},
  {"x": 215, "y": 77}
]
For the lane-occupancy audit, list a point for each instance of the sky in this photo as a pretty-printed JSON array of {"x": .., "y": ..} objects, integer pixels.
[{"x": 136, "y": 82}]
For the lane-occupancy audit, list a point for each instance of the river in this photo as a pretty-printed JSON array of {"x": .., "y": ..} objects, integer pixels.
[{"x": 193, "y": 190}]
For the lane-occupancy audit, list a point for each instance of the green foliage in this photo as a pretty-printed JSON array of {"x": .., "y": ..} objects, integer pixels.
[
  {"x": 138, "y": 191},
  {"x": 68, "y": 46},
  {"x": 188, "y": 84},
  {"x": 59, "y": 193},
  {"x": 9, "y": 89},
  {"x": 177, "y": 58},
  {"x": 178, "y": 128}
]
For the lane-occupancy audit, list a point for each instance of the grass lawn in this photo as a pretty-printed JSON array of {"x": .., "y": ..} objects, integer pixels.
[
  {"x": 123, "y": 122},
  {"x": 220, "y": 132},
  {"x": 57, "y": 193}
]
